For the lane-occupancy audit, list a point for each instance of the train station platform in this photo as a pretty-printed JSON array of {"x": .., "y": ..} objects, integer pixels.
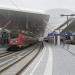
[
  {"x": 63, "y": 60},
  {"x": 53, "y": 60},
  {"x": 42, "y": 65}
]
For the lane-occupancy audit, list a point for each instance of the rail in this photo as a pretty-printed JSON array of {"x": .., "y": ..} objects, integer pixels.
[{"x": 20, "y": 61}]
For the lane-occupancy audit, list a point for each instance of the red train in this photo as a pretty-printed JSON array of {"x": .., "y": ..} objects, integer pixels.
[{"x": 20, "y": 42}]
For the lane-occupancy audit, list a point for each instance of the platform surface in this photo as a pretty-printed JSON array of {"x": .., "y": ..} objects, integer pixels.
[
  {"x": 63, "y": 61},
  {"x": 42, "y": 65}
]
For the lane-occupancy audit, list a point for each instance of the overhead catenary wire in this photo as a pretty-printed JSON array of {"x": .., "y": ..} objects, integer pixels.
[
  {"x": 12, "y": 1},
  {"x": 6, "y": 24}
]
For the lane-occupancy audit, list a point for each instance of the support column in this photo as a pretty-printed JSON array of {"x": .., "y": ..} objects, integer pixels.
[
  {"x": 58, "y": 40},
  {"x": 54, "y": 40},
  {"x": 27, "y": 23},
  {"x": 58, "y": 37}
]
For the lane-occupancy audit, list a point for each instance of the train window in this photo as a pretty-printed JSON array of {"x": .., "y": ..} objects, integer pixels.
[{"x": 14, "y": 35}]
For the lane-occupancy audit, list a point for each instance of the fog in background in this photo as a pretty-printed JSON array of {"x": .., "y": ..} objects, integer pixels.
[{"x": 38, "y": 4}]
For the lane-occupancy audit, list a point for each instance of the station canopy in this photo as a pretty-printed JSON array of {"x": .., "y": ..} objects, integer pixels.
[
  {"x": 56, "y": 20},
  {"x": 20, "y": 20}
]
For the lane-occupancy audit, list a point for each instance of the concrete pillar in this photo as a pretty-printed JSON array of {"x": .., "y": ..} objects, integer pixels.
[
  {"x": 58, "y": 40},
  {"x": 26, "y": 23},
  {"x": 72, "y": 37},
  {"x": 58, "y": 37},
  {"x": 54, "y": 40}
]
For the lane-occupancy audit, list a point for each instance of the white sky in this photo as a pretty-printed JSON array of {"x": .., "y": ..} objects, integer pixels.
[{"x": 39, "y": 4}]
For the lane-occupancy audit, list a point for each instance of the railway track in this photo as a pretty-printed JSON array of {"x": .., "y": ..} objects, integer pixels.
[
  {"x": 8, "y": 56},
  {"x": 5, "y": 54},
  {"x": 19, "y": 62}
]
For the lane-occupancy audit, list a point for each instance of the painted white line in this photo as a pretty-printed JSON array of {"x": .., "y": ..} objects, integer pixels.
[
  {"x": 34, "y": 69},
  {"x": 48, "y": 70}
]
